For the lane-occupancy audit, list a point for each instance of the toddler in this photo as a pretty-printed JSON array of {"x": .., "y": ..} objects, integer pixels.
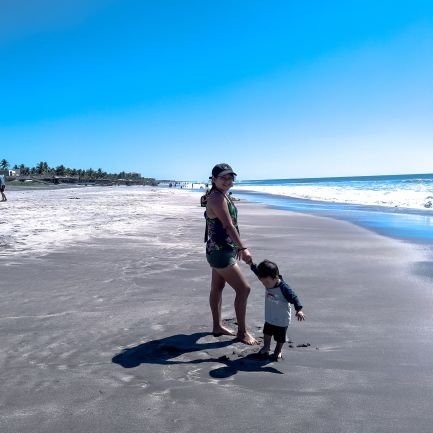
[{"x": 279, "y": 296}]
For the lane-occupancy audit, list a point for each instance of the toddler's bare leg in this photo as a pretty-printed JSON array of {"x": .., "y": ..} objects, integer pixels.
[
  {"x": 266, "y": 343},
  {"x": 277, "y": 351}
]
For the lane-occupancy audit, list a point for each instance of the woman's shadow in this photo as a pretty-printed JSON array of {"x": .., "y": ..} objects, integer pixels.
[{"x": 165, "y": 350}]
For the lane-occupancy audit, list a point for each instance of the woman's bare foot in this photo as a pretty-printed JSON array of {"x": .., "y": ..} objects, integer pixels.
[
  {"x": 247, "y": 338},
  {"x": 221, "y": 330}
]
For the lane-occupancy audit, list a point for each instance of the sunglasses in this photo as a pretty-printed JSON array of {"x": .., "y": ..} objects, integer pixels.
[{"x": 227, "y": 177}]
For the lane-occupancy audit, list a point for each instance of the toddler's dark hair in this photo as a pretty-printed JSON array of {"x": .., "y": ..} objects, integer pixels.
[{"x": 267, "y": 269}]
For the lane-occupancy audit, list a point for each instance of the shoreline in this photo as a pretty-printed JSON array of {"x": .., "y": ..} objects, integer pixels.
[
  {"x": 414, "y": 225},
  {"x": 409, "y": 225},
  {"x": 355, "y": 206},
  {"x": 112, "y": 334}
]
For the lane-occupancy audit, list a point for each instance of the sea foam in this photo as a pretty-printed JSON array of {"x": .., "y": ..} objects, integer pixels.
[
  {"x": 411, "y": 193},
  {"x": 40, "y": 221}
]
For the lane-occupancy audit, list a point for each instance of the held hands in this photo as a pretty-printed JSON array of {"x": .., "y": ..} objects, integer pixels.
[
  {"x": 300, "y": 315},
  {"x": 244, "y": 254}
]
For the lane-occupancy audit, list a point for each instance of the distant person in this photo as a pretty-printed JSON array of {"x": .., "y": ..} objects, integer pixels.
[
  {"x": 223, "y": 247},
  {"x": 3, "y": 187},
  {"x": 278, "y": 298},
  {"x": 232, "y": 197}
]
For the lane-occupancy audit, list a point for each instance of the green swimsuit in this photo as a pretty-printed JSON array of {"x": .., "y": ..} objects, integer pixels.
[{"x": 220, "y": 248}]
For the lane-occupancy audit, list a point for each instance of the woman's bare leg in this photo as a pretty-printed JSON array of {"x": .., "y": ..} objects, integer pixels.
[
  {"x": 233, "y": 275},
  {"x": 215, "y": 301}
]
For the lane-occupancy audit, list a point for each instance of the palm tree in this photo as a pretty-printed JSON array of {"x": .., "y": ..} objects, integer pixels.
[
  {"x": 24, "y": 170},
  {"x": 42, "y": 167},
  {"x": 60, "y": 170}
]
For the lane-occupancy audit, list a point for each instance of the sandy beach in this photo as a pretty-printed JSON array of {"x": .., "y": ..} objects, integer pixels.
[{"x": 110, "y": 333}]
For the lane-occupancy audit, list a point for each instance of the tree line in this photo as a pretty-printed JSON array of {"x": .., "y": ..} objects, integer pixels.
[{"x": 43, "y": 169}]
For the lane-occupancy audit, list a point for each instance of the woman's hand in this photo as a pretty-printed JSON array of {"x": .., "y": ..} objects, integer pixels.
[{"x": 245, "y": 256}]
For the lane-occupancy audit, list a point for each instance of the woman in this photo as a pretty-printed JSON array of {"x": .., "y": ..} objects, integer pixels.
[{"x": 223, "y": 247}]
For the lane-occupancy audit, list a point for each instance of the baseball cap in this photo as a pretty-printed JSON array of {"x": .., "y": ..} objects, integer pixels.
[{"x": 222, "y": 169}]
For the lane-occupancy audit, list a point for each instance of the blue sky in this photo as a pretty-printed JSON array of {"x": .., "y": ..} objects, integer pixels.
[{"x": 278, "y": 89}]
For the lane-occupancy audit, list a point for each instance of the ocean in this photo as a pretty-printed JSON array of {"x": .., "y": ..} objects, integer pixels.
[
  {"x": 38, "y": 221},
  {"x": 399, "y": 206}
]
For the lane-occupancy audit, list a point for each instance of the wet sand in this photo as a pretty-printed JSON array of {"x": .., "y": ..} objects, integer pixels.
[{"x": 112, "y": 335}]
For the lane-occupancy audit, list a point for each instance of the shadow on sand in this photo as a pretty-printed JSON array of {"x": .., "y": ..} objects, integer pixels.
[{"x": 165, "y": 350}]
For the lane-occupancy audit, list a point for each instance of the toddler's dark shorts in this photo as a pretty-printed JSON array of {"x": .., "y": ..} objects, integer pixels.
[{"x": 278, "y": 332}]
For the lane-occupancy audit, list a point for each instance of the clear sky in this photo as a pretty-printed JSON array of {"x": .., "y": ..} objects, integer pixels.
[{"x": 168, "y": 88}]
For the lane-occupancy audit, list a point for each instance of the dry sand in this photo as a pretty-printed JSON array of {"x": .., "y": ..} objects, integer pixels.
[{"x": 111, "y": 335}]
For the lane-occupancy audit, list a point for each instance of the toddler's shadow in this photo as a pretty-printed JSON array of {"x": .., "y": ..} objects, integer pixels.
[
  {"x": 251, "y": 363},
  {"x": 165, "y": 350}
]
